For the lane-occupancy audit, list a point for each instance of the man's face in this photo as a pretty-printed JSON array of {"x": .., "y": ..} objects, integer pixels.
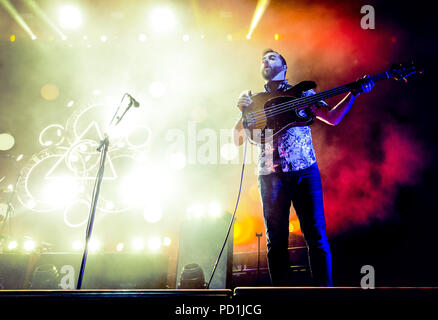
[{"x": 271, "y": 65}]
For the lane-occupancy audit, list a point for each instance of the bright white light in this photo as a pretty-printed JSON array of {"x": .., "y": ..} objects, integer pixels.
[
  {"x": 177, "y": 160},
  {"x": 77, "y": 245},
  {"x": 229, "y": 151},
  {"x": 148, "y": 185},
  {"x": 109, "y": 205},
  {"x": 166, "y": 241},
  {"x": 69, "y": 17},
  {"x": 214, "y": 210},
  {"x": 120, "y": 246},
  {"x": 10, "y": 187},
  {"x": 154, "y": 244},
  {"x": 162, "y": 19},
  {"x": 62, "y": 190},
  {"x": 96, "y": 92},
  {"x": 137, "y": 244},
  {"x": 103, "y": 38},
  {"x": 152, "y": 211},
  {"x": 157, "y": 89},
  {"x": 186, "y": 37},
  {"x": 196, "y": 211},
  {"x": 142, "y": 37},
  {"x": 94, "y": 245},
  {"x": 70, "y": 103},
  {"x": 19, "y": 157},
  {"x": 29, "y": 245},
  {"x": 12, "y": 245},
  {"x": 31, "y": 204},
  {"x": 7, "y": 141}
]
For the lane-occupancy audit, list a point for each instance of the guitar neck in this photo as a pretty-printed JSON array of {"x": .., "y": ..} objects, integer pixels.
[{"x": 335, "y": 91}]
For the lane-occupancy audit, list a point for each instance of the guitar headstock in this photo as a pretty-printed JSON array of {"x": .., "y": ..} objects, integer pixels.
[{"x": 403, "y": 70}]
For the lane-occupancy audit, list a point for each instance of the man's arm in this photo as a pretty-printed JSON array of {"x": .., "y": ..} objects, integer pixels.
[
  {"x": 239, "y": 134},
  {"x": 335, "y": 115}
]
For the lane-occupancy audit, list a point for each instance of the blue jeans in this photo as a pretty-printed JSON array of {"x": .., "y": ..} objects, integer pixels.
[{"x": 304, "y": 189}]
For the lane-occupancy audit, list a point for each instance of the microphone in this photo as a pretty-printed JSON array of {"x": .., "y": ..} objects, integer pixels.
[{"x": 133, "y": 101}]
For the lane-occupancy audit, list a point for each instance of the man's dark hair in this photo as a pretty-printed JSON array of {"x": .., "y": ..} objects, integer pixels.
[{"x": 283, "y": 60}]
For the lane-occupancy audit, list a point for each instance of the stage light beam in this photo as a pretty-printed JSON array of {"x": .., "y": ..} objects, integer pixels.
[
  {"x": 43, "y": 16},
  {"x": 261, "y": 7},
  {"x": 16, "y": 16}
]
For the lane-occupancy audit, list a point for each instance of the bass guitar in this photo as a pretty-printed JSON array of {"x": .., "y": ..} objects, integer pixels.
[{"x": 271, "y": 113}]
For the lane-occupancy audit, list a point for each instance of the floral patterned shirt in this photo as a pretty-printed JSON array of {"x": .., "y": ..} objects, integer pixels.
[{"x": 292, "y": 150}]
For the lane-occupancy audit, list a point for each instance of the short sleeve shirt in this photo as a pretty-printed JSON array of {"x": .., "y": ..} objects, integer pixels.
[{"x": 292, "y": 150}]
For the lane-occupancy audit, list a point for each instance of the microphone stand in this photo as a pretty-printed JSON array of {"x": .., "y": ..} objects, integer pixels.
[{"x": 103, "y": 149}]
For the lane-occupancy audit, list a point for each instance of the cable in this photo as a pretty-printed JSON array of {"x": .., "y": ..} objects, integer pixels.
[{"x": 234, "y": 214}]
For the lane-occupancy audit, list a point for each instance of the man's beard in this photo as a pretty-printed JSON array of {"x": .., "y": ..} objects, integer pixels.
[{"x": 270, "y": 73}]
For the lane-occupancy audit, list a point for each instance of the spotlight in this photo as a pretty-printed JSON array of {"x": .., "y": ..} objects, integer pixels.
[
  {"x": 120, "y": 246},
  {"x": 77, "y": 245},
  {"x": 31, "y": 204},
  {"x": 162, "y": 19},
  {"x": 142, "y": 37},
  {"x": 12, "y": 245},
  {"x": 29, "y": 245},
  {"x": 167, "y": 241},
  {"x": 69, "y": 17},
  {"x": 186, "y": 37},
  {"x": 7, "y": 141},
  {"x": 103, "y": 38},
  {"x": 94, "y": 245},
  {"x": 154, "y": 244}
]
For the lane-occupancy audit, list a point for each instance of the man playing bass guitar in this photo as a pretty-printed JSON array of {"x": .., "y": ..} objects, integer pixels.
[{"x": 288, "y": 173}]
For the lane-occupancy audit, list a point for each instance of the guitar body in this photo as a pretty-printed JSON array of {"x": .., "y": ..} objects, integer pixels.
[{"x": 259, "y": 118}]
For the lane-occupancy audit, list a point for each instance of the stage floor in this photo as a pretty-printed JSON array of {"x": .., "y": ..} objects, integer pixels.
[{"x": 242, "y": 302}]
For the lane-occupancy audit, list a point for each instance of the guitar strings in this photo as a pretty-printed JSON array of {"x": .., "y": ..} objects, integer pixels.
[
  {"x": 304, "y": 101},
  {"x": 286, "y": 106},
  {"x": 308, "y": 100}
]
